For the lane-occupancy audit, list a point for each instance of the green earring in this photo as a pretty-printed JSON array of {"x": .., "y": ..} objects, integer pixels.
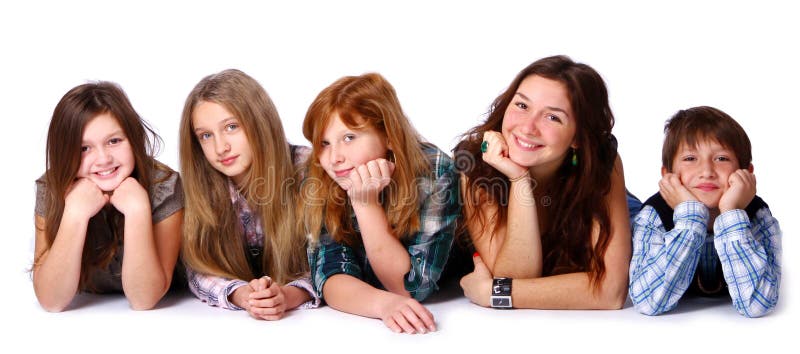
[{"x": 574, "y": 159}]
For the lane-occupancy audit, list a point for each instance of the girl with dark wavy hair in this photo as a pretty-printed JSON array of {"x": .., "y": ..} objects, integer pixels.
[{"x": 544, "y": 194}]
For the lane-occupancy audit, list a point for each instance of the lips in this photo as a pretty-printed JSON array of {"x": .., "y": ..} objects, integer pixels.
[
  {"x": 109, "y": 173},
  {"x": 342, "y": 173},
  {"x": 526, "y": 145},
  {"x": 707, "y": 187},
  {"x": 228, "y": 161}
]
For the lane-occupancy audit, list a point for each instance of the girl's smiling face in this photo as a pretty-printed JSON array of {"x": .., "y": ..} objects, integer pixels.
[{"x": 106, "y": 154}]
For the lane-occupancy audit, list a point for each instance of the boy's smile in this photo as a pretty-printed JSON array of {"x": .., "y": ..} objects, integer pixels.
[{"x": 704, "y": 170}]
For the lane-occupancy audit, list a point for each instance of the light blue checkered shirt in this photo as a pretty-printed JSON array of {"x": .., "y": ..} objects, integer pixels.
[{"x": 664, "y": 262}]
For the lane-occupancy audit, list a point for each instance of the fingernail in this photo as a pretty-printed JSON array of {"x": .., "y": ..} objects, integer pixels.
[{"x": 476, "y": 254}]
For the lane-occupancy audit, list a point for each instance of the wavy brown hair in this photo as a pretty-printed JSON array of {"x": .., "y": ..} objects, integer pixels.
[
  {"x": 213, "y": 240},
  {"x": 700, "y": 123},
  {"x": 64, "y": 137},
  {"x": 360, "y": 102},
  {"x": 577, "y": 193}
]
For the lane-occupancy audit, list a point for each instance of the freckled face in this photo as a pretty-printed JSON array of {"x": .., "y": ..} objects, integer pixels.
[{"x": 344, "y": 148}]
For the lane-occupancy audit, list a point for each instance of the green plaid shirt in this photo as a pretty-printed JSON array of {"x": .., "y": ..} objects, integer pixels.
[{"x": 429, "y": 248}]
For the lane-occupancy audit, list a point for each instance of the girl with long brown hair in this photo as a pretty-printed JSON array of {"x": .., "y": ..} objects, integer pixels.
[
  {"x": 379, "y": 204},
  {"x": 240, "y": 245},
  {"x": 102, "y": 193},
  {"x": 544, "y": 193}
]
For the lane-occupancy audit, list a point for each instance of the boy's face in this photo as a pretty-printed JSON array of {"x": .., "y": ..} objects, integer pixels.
[{"x": 704, "y": 169}]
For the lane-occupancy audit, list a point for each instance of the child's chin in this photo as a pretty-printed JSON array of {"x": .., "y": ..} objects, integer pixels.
[{"x": 107, "y": 186}]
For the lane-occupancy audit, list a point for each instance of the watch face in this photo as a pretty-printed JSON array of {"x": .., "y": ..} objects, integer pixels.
[{"x": 501, "y": 301}]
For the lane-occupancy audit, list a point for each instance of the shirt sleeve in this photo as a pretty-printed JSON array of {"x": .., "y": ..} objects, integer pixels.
[
  {"x": 212, "y": 289},
  {"x": 304, "y": 283},
  {"x": 429, "y": 248},
  {"x": 166, "y": 197},
  {"x": 329, "y": 258},
  {"x": 663, "y": 262},
  {"x": 750, "y": 254}
]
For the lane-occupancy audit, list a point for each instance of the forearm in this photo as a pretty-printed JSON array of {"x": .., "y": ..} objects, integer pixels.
[
  {"x": 520, "y": 255},
  {"x": 664, "y": 263},
  {"x": 750, "y": 265},
  {"x": 568, "y": 292},
  {"x": 339, "y": 291},
  {"x": 144, "y": 280},
  {"x": 295, "y": 296},
  {"x": 387, "y": 256},
  {"x": 57, "y": 276}
]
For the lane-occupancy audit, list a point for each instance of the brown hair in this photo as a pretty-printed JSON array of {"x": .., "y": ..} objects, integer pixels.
[
  {"x": 77, "y": 108},
  {"x": 213, "y": 242},
  {"x": 700, "y": 123},
  {"x": 578, "y": 193},
  {"x": 362, "y": 101}
]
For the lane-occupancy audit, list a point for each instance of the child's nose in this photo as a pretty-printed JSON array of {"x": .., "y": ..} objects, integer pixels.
[
  {"x": 530, "y": 126},
  {"x": 103, "y": 156},
  {"x": 221, "y": 146},
  {"x": 707, "y": 169},
  {"x": 336, "y": 154}
]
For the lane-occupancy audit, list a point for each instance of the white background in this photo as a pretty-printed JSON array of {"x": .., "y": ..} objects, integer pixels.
[{"x": 447, "y": 61}]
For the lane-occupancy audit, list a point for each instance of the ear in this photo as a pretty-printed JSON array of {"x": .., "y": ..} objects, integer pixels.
[
  {"x": 664, "y": 171},
  {"x": 750, "y": 168}
]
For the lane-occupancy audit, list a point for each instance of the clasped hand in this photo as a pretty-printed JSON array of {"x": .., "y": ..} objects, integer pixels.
[{"x": 86, "y": 199}]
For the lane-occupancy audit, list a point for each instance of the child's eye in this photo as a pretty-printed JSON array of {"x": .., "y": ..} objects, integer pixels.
[
  {"x": 521, "y": 105},
  {"x": 723, "y": 158},
  {"x": 203, "y": 136},
  {"x": 325, "y": 143},
  {"x": 114, "y": 141},
  {"x": 349, "y": 137},
  {"x": 84, "y": 149},
  {"x": 231, "y": 127},
  {"x": 553, "y": 118},
  {"x": 688, "y": 158}
]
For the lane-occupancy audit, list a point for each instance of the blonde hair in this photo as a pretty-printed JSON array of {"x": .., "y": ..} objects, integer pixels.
[
  {"x": 213, "y": 242},
  {"x": 360, "y": 102}
]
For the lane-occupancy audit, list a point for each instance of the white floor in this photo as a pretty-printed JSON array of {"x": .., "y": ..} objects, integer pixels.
[{"x": 97, "y": 323}]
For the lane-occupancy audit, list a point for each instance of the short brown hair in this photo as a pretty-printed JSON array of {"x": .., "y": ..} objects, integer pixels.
[{"x": 699, "y": 123}]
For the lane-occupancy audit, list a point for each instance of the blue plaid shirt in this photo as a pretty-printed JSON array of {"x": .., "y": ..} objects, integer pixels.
[
  {"x": 664, "y": 262},
  {"x": 429, "y": 248}
]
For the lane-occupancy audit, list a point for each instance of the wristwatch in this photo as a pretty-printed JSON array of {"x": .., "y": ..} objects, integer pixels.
[{"x": 501, "y": 293}]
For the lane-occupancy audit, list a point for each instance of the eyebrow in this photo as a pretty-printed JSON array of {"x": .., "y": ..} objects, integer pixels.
[
  {"x": 116, "y": 132},
  {"x": 221, "y": 123},
  {"x": 548, "y": 107}
]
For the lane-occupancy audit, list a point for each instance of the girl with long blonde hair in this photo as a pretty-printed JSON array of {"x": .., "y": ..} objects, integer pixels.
[{"x": 240, "y": 245}]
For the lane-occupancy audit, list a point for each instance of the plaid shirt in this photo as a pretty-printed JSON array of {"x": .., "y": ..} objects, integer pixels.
[
  {"x": 215, "y": 290},
  {"x": 428, "y": 249},
  {"x": 664, "y": 263}
]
